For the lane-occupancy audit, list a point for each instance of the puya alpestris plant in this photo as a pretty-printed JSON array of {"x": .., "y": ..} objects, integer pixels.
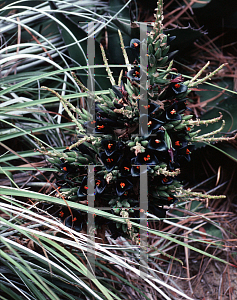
[{"x": 118, "y": 139}]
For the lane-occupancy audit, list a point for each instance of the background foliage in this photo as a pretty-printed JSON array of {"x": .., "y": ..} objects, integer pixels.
[{"x": 40, "y": 45}]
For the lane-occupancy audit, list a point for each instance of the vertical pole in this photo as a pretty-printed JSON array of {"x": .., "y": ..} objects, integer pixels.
[
  {"x": 143, "y": 217},
  {"x": 90, "y": 130},
  {"x": 90, "y": 79},
  {"x": 143, "y": 104},
  {"x": 143, "y": 129},
  {"x": 91, "y": 222}
]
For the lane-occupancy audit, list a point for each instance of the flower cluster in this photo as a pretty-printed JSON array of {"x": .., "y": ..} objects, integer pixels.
[
  {"x": 120, "y": 138},
  {"x": 119, "y": 149}
]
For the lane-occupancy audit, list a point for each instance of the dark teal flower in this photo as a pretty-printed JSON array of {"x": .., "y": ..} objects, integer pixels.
[
  {"x": 185, "y": 152},
  {"x": 135, "y": 171},
  {"x": 74, "y": 221},
  {"x": 150, "y": 107},
  {"x": 178, "y": 141},
  {"x": 82, "y": 191},
  {"x": 67, "y": 168},
  {"x": 135, "y": 48},
  {"x": 172, "y": 113},
  {"x": 157, "y": 142},
  {"x": 149, "y": 124},
  {"x": 122, "y": 186},
  {"x": 134, "y": 74},
  {"x": 125, "y": 168},
  {"x": 146, "y": 158},
  {"x": 166, "y": 180},
  {"x": 110, "y": 161},
  {"x": 178, "y": 88},
  {"x": 110, "y": 146},
  {"x": 100, "y": 185}
]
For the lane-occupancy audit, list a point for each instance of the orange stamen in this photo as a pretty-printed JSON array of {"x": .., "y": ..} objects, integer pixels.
[
  {"x": 177, "y": 143},
  {"x": 122, "y": 184},
  {"x": 177, "y": 85},
  {"x": 100, "y": 126},
  {"x": 173, "y": 111},
  {"x": 61, "y": 214},
  {"x": 147, "y": 106},
  {"x": 147, "y": 157},
  {"x": 149, "y": 123}
]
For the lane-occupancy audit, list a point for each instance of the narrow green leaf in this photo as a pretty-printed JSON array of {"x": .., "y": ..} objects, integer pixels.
[
  {"x": 29, "y": 285},
  {"x": 7, "y": 169},
  {"x": 34, "y": 130},
  {"x": 36, "y": 279},
  {"x": 74, "y": 263},
  {"x": 24, "y": 154},
  {"x": 102, "y": 266},
  {"x": 57, "y": 288},
  {"x": 78, "y": 50},
  {"x": 9, "y": 292},
  {"x": 40, "y": 197}
]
